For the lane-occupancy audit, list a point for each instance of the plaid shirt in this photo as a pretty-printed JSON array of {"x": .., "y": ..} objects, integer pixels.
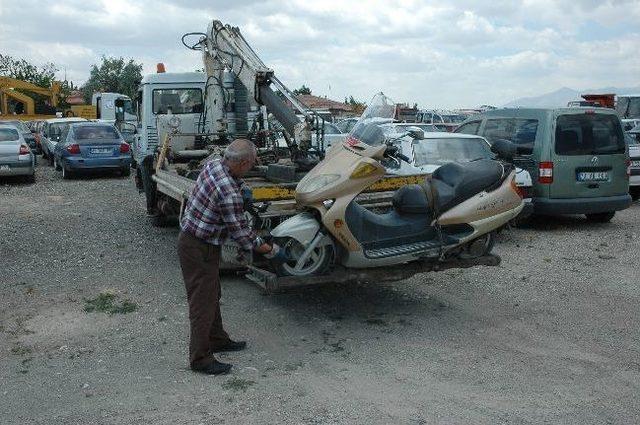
[{"x": 215, "y": 211}]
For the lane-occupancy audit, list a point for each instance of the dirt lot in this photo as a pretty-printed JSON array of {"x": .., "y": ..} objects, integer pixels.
[{"x": 550, "y": 336}]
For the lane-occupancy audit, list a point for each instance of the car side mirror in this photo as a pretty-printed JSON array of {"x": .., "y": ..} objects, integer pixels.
[{"x": 416, "y": 132}]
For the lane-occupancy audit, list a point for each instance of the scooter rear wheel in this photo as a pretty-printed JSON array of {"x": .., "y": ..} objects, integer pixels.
[
  {"x": 318, "y": 262},
  {"x": 478, "y": 247}
]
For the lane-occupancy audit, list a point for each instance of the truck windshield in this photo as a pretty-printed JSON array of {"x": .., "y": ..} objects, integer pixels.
[
  {"x": 178, "y": 101},
  {"x": 588, "y": 134}
]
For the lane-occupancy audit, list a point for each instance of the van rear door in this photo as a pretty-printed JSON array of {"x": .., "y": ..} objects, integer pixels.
[{"x": 588, "y": 155}]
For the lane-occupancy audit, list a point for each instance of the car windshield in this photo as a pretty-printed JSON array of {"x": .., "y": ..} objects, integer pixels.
[
  {"x": 18, "y": 124},
  {"x": 588, "y": 134},
  {"x": 88, "y": 132},
  {"x": 8, "y": 134},
  {"x": 443, "y": 151}
]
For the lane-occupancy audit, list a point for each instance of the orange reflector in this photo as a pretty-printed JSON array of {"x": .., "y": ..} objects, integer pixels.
[{"x": 338, "y": 223}]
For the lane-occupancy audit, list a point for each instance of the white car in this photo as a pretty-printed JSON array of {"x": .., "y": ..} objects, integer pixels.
[
  {"x": 439, "y": 148},
  {"x": 633, "y": 139}
]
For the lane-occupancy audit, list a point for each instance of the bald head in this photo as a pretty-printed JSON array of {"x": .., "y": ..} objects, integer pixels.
[
  {"x": 240, "y": 150},
  {"x": 240, "y": 156}
]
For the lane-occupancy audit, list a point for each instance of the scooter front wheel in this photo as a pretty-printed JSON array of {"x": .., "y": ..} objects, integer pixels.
[{"x": 317, "y": 262}]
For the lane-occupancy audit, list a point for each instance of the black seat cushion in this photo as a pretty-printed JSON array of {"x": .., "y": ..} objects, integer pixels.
[
  {"x": 388, "y": 229},
  {"x": 456, "y": 182},
  {"x": 410, "y": 199}
]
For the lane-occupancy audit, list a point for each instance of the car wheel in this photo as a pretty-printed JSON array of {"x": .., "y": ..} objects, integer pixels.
[
  {"x": 601, "y": 217},
  {"x": 50, "y": 160},
  {"x": 56, "y": 164},
  {"x": 31, "y": 178},
  {"x": 635, "y": 193},
  {"x": 125, "y": 171}
]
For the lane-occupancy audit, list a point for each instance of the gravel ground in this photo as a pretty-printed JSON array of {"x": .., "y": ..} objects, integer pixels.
[{"x": 550, "y": 336}]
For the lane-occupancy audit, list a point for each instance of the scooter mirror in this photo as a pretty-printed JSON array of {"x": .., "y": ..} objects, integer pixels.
[
  {"x": 504, "y": 149},
  {"x": 416, "y": 132}
]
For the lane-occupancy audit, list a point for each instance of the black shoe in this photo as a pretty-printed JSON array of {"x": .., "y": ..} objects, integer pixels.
[
  {"x": 215, "y": 368},
  {"x": 231, "y": 346}
]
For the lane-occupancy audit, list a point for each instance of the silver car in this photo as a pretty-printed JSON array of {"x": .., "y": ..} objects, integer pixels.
[
  {"x": 50, "y": 135},
  {"x": 16, "y": 158}
]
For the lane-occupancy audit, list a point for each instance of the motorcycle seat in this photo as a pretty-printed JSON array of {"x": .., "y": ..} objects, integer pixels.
[{"x": 456, "y": 182}]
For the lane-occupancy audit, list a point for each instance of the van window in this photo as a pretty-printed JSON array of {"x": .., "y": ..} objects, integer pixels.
[
  {"x": 469, "y": 128},
  {"x": 588, "y": 134},
  {"x": 517, "y": 130}
]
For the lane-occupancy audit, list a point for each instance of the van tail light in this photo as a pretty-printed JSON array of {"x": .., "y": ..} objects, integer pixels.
[
  {"x": 73, "y": 149},
  {"x": 24, "y": 150},
  {"x": 628, "y": 164},
  {"x": 545, "y": 172},
  {"x": 124, "y": 147}
]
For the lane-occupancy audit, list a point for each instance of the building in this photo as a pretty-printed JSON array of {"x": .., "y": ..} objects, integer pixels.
[{"x": 337, "y": 109}]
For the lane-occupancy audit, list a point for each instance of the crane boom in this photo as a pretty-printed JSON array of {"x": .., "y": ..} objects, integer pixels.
[{"x": 224, "y": 48}]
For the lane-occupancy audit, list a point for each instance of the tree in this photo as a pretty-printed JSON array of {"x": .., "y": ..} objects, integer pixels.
[
  {"x": 22, "y": 70},
  {"x": 113, "y": 75},
  {"x": 302, "y": 90},
  {"x": 358, "y": 107}
]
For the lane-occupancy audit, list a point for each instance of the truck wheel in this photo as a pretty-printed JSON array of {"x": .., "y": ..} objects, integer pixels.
[
  {"x": 318, "y": 261},
  {"x": 601, "y": 217}
]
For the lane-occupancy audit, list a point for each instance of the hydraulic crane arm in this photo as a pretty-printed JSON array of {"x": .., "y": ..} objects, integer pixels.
[{"x": 224, "y": 47}]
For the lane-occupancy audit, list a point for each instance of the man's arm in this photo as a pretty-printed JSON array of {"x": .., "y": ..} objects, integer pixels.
[{"x": 232, "y": 211}]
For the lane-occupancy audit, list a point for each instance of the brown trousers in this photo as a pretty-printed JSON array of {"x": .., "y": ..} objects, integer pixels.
[{"x": 200, "y": 263}]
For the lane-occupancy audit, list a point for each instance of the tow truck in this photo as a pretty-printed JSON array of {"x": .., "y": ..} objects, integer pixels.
[{"x": 187, "y": 119}]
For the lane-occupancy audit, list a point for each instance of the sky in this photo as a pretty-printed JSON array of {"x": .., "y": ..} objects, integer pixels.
[{"x": 444, "y": 54}]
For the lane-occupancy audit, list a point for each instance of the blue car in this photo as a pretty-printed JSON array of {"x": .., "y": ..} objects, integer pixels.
[{"x": 91, "y": 146}]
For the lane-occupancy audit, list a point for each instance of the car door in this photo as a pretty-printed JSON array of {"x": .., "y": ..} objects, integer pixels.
[{"x": 589, "y": 155}]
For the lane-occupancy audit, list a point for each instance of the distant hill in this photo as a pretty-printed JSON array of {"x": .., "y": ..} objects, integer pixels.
[{"x": 560, "y": 97}]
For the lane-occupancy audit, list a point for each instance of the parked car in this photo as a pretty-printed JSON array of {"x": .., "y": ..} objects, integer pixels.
[
  {"x": 50, "y": 134},
  {"x": 26, "y": 133},
  {"x": 439, "y": 148},
  {"x": 633, "y": 141},
  {"x": 579, "y": 159},
  {"x": 16, "y": 158},
  {"x": 403, "y": 127},
  {"x": 91, "y": 146}
]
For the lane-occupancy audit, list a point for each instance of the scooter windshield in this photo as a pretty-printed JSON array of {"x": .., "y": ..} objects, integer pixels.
[{"x": 368, "y": 129}]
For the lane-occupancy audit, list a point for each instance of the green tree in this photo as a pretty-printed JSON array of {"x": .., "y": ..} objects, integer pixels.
[
  {"x": 113, "y": 75},
  {"x": 358, "y": 107},
  {"x": 22, "y": 70},
  {"x": 302, "y": 90}
]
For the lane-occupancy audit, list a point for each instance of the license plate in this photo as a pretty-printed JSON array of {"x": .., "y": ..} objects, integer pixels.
[
  {"x": 4, "y": 168},
  {"x": 100, "y": 150},
  {"x": 635, "y": 163},
  {"x": 593, "y": 176}
]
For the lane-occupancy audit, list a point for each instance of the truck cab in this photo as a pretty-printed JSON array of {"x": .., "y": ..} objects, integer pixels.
[
  {"x": 179, "y": 94},
  {"x": 111, "y": 106}
]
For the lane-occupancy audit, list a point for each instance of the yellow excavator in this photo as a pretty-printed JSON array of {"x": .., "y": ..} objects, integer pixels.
[{"x": 9, "y": 90}]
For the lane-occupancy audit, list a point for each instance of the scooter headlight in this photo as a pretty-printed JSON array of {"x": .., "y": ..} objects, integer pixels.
[{"x": 316, "y": 182}]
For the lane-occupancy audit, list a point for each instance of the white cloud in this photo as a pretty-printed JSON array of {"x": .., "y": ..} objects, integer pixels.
[{"x": 444, "y": 54}]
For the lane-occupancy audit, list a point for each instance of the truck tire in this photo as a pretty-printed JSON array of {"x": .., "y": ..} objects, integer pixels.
[{"x": 149, "y": 186}]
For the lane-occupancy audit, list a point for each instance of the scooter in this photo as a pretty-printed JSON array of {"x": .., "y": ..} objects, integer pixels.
[{"x": 454, "y": 213}]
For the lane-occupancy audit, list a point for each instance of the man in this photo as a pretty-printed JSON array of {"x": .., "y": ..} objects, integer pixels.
[{"x": 213, "y": 213}]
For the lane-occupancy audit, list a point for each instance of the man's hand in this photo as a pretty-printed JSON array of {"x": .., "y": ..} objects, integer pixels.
[{"x": 265, "y": 248}]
